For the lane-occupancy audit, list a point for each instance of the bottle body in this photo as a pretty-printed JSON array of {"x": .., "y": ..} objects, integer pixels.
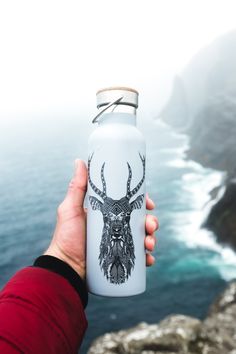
[{"x": 116, "y": 208}]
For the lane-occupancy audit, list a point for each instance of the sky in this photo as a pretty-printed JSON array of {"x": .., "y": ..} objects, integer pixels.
[{"x": 55, "y": 55}]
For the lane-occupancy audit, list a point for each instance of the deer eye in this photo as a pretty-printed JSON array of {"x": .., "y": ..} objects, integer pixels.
[{"x": 127, "y": 217}]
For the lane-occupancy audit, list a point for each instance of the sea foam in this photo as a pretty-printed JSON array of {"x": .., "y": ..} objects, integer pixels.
[{"x": 188, "y": 225}]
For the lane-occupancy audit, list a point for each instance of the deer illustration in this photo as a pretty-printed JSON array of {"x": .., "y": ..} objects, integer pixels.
[{"x": 117, "y": 257}]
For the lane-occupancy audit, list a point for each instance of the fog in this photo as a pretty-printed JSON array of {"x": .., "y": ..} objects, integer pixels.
[{"x": 55, "y": 55}]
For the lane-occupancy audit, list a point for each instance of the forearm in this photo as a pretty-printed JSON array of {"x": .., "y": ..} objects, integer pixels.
[{"x": 41, "y": 312}]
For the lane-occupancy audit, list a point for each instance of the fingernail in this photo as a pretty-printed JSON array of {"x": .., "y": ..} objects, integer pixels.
[
  {"x": 76, "y": 163},
  {"x": 150, "y": 200},
  {"x": 154, "y": 223},
  {"x": 153, "y": 242}
]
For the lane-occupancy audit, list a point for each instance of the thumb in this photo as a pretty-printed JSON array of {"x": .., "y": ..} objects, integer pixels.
[{"x": 78, "y": 185}]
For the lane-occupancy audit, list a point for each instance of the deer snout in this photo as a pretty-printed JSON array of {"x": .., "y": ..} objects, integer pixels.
[{"x": 116, "y": 228}]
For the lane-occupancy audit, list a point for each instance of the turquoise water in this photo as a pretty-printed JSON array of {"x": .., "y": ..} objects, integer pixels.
[{"x": 36, "y": 163}]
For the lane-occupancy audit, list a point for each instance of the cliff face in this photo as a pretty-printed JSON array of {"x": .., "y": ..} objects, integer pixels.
[
  {"x": 222, "y": 218},
  {"x": 213, "y": 133},
  {"x": 178, "y": 334},
  {"x": 210, "y": 74},
  {"x": 206, "y": 101}
]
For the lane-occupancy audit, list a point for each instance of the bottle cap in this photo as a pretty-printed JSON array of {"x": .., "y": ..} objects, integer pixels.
[{"x": 123, "y": 95}]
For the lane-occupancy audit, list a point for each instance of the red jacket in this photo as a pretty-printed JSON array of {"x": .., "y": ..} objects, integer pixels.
[{"x": 40, "y": 313}]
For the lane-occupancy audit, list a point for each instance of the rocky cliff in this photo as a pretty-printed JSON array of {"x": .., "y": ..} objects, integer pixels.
[
  {"x": 203, "y": 105},
  {"x": 178, "y": 334}
]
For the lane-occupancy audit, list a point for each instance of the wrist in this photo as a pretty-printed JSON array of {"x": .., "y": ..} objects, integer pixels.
[
  {"x": 56, "y": 265},
  {"x": 55, "y": 251}
]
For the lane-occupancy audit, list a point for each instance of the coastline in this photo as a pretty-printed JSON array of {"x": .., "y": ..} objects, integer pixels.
[{"x": 207, "y": 186}]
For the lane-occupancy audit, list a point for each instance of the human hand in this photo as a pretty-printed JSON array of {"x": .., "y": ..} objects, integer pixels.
[{"x": 69, "y": 238}]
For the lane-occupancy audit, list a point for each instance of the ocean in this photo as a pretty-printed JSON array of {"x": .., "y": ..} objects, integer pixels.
[{"x": 36, "y": 164}]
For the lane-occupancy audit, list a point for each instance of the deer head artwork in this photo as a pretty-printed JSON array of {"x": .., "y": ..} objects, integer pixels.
[{"x": 116, "y": 257}]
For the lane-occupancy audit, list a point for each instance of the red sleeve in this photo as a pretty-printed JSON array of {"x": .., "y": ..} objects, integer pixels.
[{"x": 40, "y": 312}]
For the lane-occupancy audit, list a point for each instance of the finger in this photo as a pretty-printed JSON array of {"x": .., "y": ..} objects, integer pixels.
[
  {"x": 78, "y": 185},
  {"x": 150, "y": 242},
  {"x": 149, "y": 203},
  {"x": 150, "y": 260},
  {"x": 151, "y": 224}
]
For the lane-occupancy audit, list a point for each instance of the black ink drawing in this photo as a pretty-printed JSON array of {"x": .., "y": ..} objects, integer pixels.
[{"x": 117, "y": 257}]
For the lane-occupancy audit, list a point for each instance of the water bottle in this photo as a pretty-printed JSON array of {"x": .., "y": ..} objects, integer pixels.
[{"x": 116, "y": 197}]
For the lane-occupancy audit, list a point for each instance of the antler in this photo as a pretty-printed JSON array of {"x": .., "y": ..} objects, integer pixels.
[
  {"x": 129, "y": 193},
  {"x": 103, "y": 179},
  {"x": 96, "y": 189},
  {"x": 129, "y": 179}
]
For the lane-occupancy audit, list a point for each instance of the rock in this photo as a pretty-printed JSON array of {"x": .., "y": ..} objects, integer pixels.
[
  {"x": 226, "y": 300},
  {"x": 106, "y": 344},
  {"x": 222, "y": 217},
  {"x": 212, "y": 134},
  {"x": 171, "y": 335},
  {"x": 218, "y": 332},
  {"x": 178, "y": 334}
]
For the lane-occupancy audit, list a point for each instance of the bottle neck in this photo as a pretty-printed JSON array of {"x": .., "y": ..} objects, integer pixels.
[{"x": 124, "y": 114}]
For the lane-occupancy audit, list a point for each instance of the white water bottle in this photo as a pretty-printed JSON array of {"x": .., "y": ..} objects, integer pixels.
[{"x": 116, "y": 197}]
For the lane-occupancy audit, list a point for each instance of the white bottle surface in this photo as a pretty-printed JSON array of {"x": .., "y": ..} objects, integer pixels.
[{"x": 116, "y": 207}]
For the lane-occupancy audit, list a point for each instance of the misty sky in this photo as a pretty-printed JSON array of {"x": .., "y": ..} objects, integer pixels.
[{"x": 55, "y": 55}]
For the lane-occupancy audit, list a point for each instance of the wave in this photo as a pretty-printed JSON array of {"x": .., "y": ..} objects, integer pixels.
[
  {"x": 196, "y": 185},
  {"x": 181, "y": 163},
  {"x": 179, "y": 151}
]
